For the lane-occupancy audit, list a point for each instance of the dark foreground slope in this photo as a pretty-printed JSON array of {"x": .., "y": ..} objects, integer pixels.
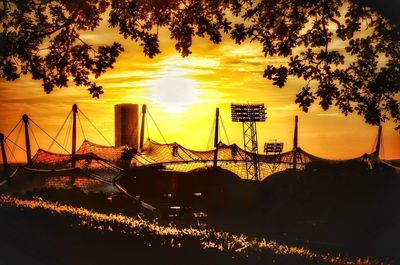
[
  {"x": 40, "y": 235},
  {"x": 344, "y": 206},
  {"x": 39, "y": 238},
  {"x": 328, "y": 208},
  {"x": 341, "y": 207}
]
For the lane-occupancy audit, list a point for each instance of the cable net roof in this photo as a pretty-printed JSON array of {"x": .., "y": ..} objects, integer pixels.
[
  {"x": 231, "y": 157},
  {"x": 109, "y": 153},
  {"x": 154, "y": 152},
  {"x": 175, "y": 157},
  {"x": 25, "y": 179},
  {"x": 89, "y": 156},
  {"x": 45, "y": 159}
]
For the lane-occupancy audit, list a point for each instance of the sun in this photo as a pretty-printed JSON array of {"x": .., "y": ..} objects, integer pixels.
[{"x": 175, "y": 94}]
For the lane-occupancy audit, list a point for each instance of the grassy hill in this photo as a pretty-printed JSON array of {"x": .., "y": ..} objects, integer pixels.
[{"x": 344, "y": 205}]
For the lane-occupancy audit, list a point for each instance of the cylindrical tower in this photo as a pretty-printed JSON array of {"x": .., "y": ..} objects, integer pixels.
[{"x": 126, "y": 125}]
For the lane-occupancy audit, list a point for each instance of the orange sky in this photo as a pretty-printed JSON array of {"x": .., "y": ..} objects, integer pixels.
[{"x": 214, "y": 76}]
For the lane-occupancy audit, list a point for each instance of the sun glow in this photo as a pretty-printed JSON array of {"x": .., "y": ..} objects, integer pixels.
[{"x": 175, "y": 94}]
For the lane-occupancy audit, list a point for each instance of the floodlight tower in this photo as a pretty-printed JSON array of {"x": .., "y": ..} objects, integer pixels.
[
  {"x": 273, "y": 152},
  {"x": 249, "y": 115},
  {"x": 273, "y": 149}
]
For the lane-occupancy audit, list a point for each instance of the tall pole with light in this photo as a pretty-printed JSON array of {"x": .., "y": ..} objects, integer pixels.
[{"x": 249, "y": 115}]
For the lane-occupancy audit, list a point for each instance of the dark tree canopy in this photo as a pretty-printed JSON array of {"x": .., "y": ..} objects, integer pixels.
[{"x": 42, "y": 38}]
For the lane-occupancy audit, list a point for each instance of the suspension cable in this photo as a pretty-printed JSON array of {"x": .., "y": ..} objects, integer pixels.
[
  {"x": 94, "y": 127},
  {"x": 16, "y": 145},
  {"x": 66, "y": 137},
  {"x": 158, "y": 129},
  {"x": 34, "y": 137},
  {"x": 48, "y": 134},
  {"x": 147, "y": 127},
  {"x": 144, "y": 158},
  {"x": 223, "y": 126},
  {"x": 17, "y": 138},
  {"x": 12, "y": 154},
  {"x": 111, "y": 166},
  {"x": 184, "y": 151},
  {"x": 13, "y": 129},
  {"x": 59, "y": 131},
  {"x": 80, "y": 123},
  {"x": 373, "y": 148},
  {"x": 211, "y": 135},
  {"x": 219, "y": 136}
]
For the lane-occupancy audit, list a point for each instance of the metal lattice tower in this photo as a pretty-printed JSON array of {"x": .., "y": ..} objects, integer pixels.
[
  {"x": 251, "y": 145},
  {"x": 249, "y": 115}
]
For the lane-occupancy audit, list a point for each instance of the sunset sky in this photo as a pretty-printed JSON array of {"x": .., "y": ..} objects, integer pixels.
[{"x": 182, "y": 94}]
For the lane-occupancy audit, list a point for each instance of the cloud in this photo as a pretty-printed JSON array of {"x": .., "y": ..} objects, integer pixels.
[{"x": 223, "y": 74}]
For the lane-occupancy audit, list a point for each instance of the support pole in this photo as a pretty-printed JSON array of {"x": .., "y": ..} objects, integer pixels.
[
  {"x": 73, "y": 151},
  {"x": 144, "y": 109},
  {"x": 3, "y": 155},
  {"x": 295, "y": 142},
  {"x": 25, "y": 119},
  {"x": 216, "y": 137},
  {"x": 378, "y": 142}
]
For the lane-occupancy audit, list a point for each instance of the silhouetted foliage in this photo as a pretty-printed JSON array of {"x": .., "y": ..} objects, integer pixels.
[{"x": 43, "y": 38}]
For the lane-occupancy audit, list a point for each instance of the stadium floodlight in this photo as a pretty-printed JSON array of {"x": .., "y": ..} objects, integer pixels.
[
  {"x": 249, "y": 115},
  {"x": 248, "y": 112},
  {"x": 273, "y": 147}
]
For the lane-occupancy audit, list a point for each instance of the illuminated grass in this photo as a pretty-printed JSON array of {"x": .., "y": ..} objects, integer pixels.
[{"x": 206, "y": 238}]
